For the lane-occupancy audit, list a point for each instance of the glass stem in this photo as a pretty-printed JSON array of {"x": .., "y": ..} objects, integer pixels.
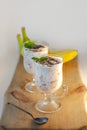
[{"x": 48, "y": 97}]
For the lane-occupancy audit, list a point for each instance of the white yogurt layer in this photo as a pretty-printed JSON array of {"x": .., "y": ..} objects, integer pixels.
[
  {"x": 49, "y": 79},
  {"x": 29, "y": 53}
]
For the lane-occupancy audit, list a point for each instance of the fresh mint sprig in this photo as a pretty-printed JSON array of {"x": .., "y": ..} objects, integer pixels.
[
  {"x": 39, "y": 59},
  {"x": 29, "y": 44}
]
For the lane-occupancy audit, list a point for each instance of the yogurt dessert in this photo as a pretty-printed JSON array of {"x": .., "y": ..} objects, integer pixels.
[
  {"x": 31, "y": 50},
  {"x": 48, "y": 73}
]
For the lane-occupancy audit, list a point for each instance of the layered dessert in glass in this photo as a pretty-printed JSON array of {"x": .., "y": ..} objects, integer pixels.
[
  {"x": 29, "y": 52},
  {"x": 48, "y": 77}
]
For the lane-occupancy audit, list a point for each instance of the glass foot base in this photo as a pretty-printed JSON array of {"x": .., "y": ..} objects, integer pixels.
[
  {"x": 48, "y": 107},
  {"x": 31, "y": 87}
]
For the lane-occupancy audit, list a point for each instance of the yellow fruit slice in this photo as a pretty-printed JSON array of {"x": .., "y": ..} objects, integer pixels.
[{"x": 66, "y": 54}]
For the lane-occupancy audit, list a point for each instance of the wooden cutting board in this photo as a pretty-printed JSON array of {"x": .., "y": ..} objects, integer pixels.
[{"x": 72, "y": 115}]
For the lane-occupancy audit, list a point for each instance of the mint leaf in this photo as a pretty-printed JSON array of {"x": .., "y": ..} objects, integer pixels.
[
  {"x": 35, "y": 58},
  {"x": 39, "y": 59},
  {"x": 29, "y": 44},
  {"x": 43, "y": 58}
]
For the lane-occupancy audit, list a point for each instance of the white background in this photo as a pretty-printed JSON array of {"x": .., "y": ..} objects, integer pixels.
[{"x": 62, "y": 23}]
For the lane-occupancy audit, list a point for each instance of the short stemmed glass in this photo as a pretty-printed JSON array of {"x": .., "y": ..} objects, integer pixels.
[
  {"x": 49, "y": 79},
  {"x": 28, "y": 63}
]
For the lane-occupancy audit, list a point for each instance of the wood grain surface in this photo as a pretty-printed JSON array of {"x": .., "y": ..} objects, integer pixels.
[{"x": 72, "y": 115}]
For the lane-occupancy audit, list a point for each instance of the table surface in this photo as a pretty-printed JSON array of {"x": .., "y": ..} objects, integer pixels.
[{"x": 72, "y": 115}]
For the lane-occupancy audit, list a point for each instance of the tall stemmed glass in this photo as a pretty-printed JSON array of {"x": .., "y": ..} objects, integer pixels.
[
  {"x": 49, "y": 78},
  {"x": 37, "y": 50}
]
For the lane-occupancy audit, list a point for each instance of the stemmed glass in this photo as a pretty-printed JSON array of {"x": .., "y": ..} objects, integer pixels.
[
  {"x": 28, "y": 63},
  {"x": 49, "y": 79}
]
